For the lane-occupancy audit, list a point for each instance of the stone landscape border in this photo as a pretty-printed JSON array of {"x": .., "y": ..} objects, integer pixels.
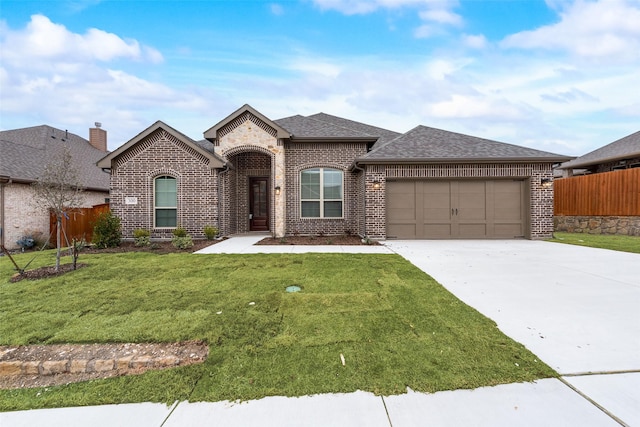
[{"x": 116, "y": 359}]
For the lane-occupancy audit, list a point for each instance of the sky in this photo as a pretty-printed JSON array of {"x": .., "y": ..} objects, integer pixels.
[{"x": 557, "y": 75}]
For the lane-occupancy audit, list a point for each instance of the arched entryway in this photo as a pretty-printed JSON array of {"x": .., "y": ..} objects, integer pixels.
[{"x": 247, "y": 185}]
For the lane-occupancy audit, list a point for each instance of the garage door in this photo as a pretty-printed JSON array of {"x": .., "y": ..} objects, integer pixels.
[{"x": 434, "y": 209}]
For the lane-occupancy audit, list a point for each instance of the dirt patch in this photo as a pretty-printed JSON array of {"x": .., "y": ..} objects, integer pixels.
[
  {"x": 342, "y": 240},
  {"x": 47, "y": 365}
]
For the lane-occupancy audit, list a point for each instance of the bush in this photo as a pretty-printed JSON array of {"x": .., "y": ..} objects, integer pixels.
[
  {"x": 210, "y": 232},
  {"x": 141, "y": 237},
  {"x": 182, "y": 242},
  {"x": 181, "y": 239},
  {"x": 106, "y": 231},
  {"x": 180, "y": 232}
]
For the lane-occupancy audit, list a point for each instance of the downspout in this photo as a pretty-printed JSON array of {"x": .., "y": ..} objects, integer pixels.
[
  {"x": 364, "y": 195},
  {"x": 224, "y": 171},
  {"x": 3, "y": 181}
]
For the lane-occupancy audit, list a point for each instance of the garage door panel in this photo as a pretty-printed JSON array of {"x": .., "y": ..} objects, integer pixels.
[
  {"x": 455, "y": 209},
  {"x": 437, "y": 231},
  {"x": 472, "y": 230}
]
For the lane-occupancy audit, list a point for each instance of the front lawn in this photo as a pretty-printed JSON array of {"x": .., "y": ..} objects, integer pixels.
[
  {"x": 395, "y": 326},
  {"x": 604, "y": 241}
]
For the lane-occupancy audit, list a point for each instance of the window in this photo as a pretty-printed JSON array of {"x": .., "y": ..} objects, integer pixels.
[
  {"x": 165, "y": 202},
  {"x": 321, "y": 193}
]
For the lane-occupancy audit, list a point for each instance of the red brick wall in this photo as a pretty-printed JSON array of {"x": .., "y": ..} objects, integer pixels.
[
  {"x": 161, "y": 154},
  {"x": 338, "y": 155}
]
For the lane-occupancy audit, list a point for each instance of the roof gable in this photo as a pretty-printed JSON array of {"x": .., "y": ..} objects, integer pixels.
[
  {"x": 26, "y": 151},
  {"x": 623, "y": 148},
  {"x": 214, "y": 160},
  {"x": 212, "y": 134},
  {"x": 425, "y": 144}
]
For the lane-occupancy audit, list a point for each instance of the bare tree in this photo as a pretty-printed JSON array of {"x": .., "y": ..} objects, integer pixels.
[{"x": 58, "y": 189}]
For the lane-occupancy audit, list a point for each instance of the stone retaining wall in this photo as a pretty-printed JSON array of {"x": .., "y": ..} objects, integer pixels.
[{"x": 622, "y": 225}]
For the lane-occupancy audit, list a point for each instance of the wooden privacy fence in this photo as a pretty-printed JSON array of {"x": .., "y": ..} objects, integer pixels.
[
  {"x": 79, "y": 225},
  {"x": 614, "y": 193}
]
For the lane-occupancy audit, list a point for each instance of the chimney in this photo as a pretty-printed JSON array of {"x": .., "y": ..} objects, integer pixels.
[{"x": 98, "y": 137}]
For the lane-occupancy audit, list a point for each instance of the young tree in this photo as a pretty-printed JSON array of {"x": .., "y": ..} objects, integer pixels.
[{"x": 58, "y": 189}]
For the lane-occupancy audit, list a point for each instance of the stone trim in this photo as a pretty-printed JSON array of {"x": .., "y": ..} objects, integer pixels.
[
  {"x": 620, "y": 225},
  {"x": 247, "y": 116}
]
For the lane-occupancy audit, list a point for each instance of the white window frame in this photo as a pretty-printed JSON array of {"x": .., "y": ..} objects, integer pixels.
[
  {"x": 322, "y": 199},
  {"x": 156, "y": 208}
]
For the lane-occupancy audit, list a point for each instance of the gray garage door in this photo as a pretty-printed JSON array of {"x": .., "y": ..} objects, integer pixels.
[{"x": 458, "y": 209}]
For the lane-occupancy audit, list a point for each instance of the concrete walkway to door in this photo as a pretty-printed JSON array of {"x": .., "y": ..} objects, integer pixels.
[{"x": 577, "y": 308}]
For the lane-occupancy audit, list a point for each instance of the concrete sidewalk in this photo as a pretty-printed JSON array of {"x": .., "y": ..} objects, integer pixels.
[
  {"x": 246, "y": 244},
  {"x": 576, "y": 308}
]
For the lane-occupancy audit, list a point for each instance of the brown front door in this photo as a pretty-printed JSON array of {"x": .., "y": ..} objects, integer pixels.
[{"x": 258, "y": 204}]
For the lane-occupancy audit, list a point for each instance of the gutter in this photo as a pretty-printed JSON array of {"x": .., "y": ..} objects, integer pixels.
[{"x": 439, "y": 161}]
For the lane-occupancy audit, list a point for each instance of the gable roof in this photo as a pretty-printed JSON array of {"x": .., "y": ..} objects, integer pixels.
[
  {"x": 212, "y": 133},
  {"x": 384, "y": 135},
  {"x": 623, "y": 148},
  {"x": 214, "y": 160},
  {"x": 423, "y": 144},
  {"x": 309, "y": 129},
  {"x": 26, "y": 151},
  {"x": 325, "y": 126}
]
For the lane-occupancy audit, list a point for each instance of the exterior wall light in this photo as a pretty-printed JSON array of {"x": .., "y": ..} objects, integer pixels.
[
  {"x": 376, "y": 185},
  {"x": 546, "y": 183},
  {"x": 277, "y": 190}
]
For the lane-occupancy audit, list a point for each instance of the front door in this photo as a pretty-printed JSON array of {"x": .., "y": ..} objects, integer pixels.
[{"x": 258, "y": 204}]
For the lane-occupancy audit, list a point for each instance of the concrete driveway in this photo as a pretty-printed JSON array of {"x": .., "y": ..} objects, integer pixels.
[{"x": 577, "y": 308}]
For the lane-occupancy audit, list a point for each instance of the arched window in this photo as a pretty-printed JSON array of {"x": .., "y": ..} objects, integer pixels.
[
  {"x": 321, "y": 193},
  {"x": 165, "y": 202}
]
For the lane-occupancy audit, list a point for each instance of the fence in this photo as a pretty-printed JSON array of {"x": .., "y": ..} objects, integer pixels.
[
  {"x": 79, "y": 224},
  {"x": 614, "y": 193}
]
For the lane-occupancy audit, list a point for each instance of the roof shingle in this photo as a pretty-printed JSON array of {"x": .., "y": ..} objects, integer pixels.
[
  {"x": 626, "y": 147},
  {"x": 24, "y": 153},
  {"x": 427, "y": 144}
]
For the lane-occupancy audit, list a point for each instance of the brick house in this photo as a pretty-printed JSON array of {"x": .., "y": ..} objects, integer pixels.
[
  {"x": 323, "y": 174},
  {"x": 23, "y": 153},
  {"x": 621, "y": 154}
]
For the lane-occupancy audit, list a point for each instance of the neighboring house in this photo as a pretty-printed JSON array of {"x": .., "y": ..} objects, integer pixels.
[
  {"x": 323, "y": 174},
  {"x": 621, "y": 154},
  {"x": 605, "y": 199},
  {"x": 23, "y": 154}
]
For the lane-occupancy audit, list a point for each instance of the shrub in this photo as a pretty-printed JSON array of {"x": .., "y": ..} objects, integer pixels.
[
  {"x": 141, "y": 237},
  {"x": 182, "y": 242},
  {"x": 180, "y": 232},
  {"x": 106, "y": 231},
  {"x": 181, "y": 239},
  {"x": 210, "y": 232}
]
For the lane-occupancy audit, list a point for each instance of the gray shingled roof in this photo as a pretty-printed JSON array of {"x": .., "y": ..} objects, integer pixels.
[
  {"x": 302, "y": 128},
  {"x": 624, "y": 148},
  {"x": 384, "y": 135},
  {"x": 25, "y": 151},
  {"x": 425, "y": 144}
]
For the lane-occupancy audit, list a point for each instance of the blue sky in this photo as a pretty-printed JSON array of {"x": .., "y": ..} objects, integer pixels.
[{"x": 560, "y": 75}]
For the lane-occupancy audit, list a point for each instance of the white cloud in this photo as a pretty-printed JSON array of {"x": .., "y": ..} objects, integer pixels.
[
  {"x": 435, "y": 15},
  {"x": 45, "y": 40},
  {"x": 478, "y": 41},
  {"x": 601, "y": 30},
  {"x": 54, "y": 76},
  {"x": 276, "y": 9}
]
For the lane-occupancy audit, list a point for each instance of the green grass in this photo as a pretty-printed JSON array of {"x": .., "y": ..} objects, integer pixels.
[
  {"x": 395, "y": 326},
  {"x": 604, "y": 241}
]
